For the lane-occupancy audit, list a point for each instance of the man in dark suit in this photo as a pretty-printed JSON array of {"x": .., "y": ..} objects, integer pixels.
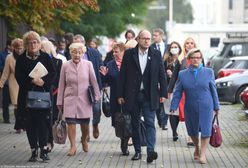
[
  {"x": 160, "y": 45},
  {"x": 142, "y": 74}
]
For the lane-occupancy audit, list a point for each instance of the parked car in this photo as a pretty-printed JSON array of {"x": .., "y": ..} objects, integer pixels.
[
  {"x": 244, "y": 97},
  {"x": 232, "y": 47},
  {"x": 235, "y": 65},
  {"x": 230, "y": 87}
]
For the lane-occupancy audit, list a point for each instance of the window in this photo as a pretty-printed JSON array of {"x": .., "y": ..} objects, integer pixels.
[
  {"x": 214, "y": 42},
  {"x": 230, "y": 4},
  {"x": 246, "y": 4}
]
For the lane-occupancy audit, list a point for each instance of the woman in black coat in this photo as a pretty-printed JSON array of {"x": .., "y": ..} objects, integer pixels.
[
  {"x": 36, "y": 120},
  {"x": 110, "y": 76}
]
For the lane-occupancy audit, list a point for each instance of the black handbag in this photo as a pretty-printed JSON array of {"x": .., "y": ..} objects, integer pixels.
[
  {"x": 142, "y": 132},
  {"x": 106, "y": 104},
  {"x": 91, "y": 94},
  {"x": 38, "y": 100},
  {"x": 123, "y": 125}
]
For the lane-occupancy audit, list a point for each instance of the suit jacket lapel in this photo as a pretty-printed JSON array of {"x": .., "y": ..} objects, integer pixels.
[
  {"x": 136, "y": 57},
  {"x": 151, "y": 60}
]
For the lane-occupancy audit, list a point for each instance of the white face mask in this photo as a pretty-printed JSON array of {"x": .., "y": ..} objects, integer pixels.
[{"x": 174, "y": 51}]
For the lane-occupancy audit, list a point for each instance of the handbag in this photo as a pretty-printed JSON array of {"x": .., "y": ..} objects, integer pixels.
[
  {"x": 142, "y": 132},
  {"x": 91, "y": 94},
  {"x": 38, "y": 100},
  {"x": 216, "y": 138},
  {"x": 123, "y": 125},
  {"x": 59, "y": 130},
  {"x": 106, "y": 104}
]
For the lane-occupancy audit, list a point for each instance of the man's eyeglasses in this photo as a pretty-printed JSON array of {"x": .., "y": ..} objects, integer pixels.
[
  {"x": 196, "y": 58},
  {"x": 143, "y": 38}
]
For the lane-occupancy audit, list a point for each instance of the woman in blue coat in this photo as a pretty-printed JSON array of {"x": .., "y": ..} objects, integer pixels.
[{"x": 201, "y": 101}]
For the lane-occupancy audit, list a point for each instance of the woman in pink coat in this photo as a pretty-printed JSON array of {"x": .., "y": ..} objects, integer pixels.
[{"x": 75, "y": 77}]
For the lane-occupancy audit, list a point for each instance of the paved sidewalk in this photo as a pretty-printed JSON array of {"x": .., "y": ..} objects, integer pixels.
[{"x": 104, "y": 152}]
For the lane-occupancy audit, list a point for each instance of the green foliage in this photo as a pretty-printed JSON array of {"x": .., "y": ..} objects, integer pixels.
[
  {"x": 43, "y": 15},
  {"x": 111, "y": 20}
]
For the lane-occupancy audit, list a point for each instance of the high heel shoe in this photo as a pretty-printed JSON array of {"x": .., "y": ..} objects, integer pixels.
[
  {"x": 72, "y": 151},
  {"x": 202, "y": 160}
]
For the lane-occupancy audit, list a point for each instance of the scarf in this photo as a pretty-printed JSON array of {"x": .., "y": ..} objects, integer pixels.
[
  {"x": 118, "y": 63},
  {"x": 197, "y": 69}
]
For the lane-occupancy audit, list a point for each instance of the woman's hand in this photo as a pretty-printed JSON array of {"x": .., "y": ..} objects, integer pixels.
[
  {"x": 161, "y": 99},
  {"x": 103, "y": 70},
  {"x": 60, "y": 108},
  {"x": 169, "y": 73},
  {"x": 38, "y": 81},
  {"x": 121, "y": 100},
  {"x": 216, "y": 112}
]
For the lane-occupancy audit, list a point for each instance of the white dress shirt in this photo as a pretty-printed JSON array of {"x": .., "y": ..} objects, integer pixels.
[
  {"x": 162, "y": 47},
  {"x": 143, "y": 61}
]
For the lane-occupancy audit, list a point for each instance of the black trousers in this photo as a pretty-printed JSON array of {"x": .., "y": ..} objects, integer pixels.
[
  {"x": 5, "y": 102},
  {"x": 37, "y": 128},
  {"x": 174, "y": 121},
  {"x": 124, "y": 144}
]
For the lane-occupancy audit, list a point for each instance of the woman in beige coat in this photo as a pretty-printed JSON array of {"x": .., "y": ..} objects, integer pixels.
[
  {"x": 9, "y": 74},
  {"x": 75, "y": 77}
]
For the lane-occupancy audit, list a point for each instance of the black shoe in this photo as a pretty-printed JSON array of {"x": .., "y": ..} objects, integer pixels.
[
  {"x": 6, "y": 121},
  {"x": 125, "y": 153},
  {"x": 151, "y": 156},
  {"x": 190, "y": 144},
  {"x": 136, "y": 156},
  {"x": 164, "y": 127},
  {"x": 44, "y": 154},
  {"x": 34, "y": 155},
  {"x": 175, "y": 138}
]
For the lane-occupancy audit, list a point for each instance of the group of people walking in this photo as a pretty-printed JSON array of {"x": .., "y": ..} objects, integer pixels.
[{"x": 142, "y": 77}]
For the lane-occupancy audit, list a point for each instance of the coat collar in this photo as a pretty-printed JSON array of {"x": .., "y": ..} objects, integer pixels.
[{"x": 136, "y": 56}]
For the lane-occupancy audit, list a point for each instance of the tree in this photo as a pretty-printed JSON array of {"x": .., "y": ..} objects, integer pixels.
[
  {"x": 43, "y": 15},
  {"x": 182, "y": 12},
  {"x": 111, "y": 20}
]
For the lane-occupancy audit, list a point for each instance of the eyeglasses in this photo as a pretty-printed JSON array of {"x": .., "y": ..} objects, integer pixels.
[
  {"x": 196, "y": 58},
  {"x": 32, "y": 42},
  {"x": 143, "y": 38}
]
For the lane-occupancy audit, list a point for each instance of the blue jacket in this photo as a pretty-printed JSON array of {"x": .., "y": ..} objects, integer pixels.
[
  {"x": 96, "y": 58},
  {"x": 200, "y": 99},
  {"x": 3, "y": 56}
]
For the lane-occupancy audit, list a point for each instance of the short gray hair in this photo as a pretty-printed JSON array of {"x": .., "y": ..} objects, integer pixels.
[{"x": 80, "y": 37}]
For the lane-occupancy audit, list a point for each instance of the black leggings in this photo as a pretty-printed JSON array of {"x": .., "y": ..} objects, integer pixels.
[
  {"x": 37, "y": 128},
  {"x": 174, "y": 121}
]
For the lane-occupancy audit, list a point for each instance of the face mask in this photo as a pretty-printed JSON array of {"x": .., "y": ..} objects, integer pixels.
[{"x": 174, "y": 51}]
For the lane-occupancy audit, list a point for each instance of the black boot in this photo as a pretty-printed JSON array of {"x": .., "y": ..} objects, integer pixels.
[
  {"x": 44, "y": 154},
  {"x": 34, "y": 155}
]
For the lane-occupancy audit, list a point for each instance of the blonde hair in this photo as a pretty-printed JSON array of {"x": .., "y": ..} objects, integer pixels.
[
  {"x": 184, "y": 54},
  {"x": 121, "y": 46},
  {"x": 48, "y": 47},
  {"x": 74, "y": 46},
  {"x": 30, "y": 35},
  {"x": 131, "y": 43},
  {"x": 17, "y": 42}
]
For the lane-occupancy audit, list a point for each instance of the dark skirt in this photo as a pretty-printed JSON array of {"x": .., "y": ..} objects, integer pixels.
[{"x": 77, "y": 120}]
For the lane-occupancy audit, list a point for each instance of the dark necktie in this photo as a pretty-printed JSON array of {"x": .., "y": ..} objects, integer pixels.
[{"x": 158, "y": 47}]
